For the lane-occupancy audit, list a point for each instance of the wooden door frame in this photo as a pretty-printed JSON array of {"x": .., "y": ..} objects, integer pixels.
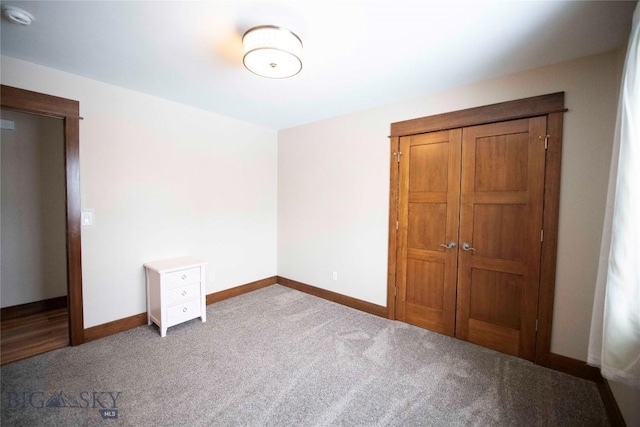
[
  {"x": 551, "y": 105},
  {"x": 68, "y": 110}
]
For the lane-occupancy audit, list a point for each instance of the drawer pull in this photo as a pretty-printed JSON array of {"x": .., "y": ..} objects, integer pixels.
[
  {"x": 184, "y": 310},
  {"x": 184, "y": 293},
  {"x": 184, "y": 276}
]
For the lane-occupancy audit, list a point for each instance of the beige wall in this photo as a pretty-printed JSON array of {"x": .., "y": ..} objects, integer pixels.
[
  {"x": 163, "y": 180},
  {"x": 333, "y": 191},
  {"x": 33, "y": 210}
]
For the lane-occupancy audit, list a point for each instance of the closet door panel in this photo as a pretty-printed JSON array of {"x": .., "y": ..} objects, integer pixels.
[
  {"x": 425, "y": 284},
  {"x": 428, "y": 216},
  {"x": 421, "y": 232},
  {"x": 496, "y": 231},
  {"x": 501, "y": 219}
]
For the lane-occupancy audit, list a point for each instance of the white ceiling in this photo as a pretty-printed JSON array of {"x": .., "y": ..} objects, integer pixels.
[{"x": 357, "y": 54}]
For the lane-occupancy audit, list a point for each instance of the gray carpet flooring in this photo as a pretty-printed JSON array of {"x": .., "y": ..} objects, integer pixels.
[{"x": 278, "y": 357}]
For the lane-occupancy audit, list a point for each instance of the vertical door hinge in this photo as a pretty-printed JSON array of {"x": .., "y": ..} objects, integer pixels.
[
  {"x": 397, "y": 225},
  {"x": 398, "y": 154},
  {"x": 546, "y": 140},
  {"x": 541, "y": 235},
  {"x": 536, "y": 324}
]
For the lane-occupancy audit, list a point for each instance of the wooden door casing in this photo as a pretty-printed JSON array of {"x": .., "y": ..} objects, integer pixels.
[
  {"x": 502, "y": 189},
  {"x": 68, "y": 110},
  {"x": 428, "y": 215}
]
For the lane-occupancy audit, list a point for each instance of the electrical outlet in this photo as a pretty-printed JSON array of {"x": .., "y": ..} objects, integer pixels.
[{"x": 335, "y": 276}]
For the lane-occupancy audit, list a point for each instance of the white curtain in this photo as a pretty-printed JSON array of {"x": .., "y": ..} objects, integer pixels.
[{"x": 614, "y": 343}]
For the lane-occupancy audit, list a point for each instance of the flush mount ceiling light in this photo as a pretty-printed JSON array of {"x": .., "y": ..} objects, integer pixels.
[
  {"x": 272, "y": 52},
  {"x": 17, "y": 15}
]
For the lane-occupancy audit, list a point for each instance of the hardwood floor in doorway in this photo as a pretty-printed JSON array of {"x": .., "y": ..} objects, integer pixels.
[{"x": 27, "y": 336}]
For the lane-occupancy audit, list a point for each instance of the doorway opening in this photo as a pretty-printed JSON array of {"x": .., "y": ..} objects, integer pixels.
[{"x": 41, "y": 265}]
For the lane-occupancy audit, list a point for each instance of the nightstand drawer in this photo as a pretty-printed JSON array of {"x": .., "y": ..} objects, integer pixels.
[
  {"x": 182, "y": 278},
  {"x": 180, "y": 312},
  {"x": 184, "y": 294}
]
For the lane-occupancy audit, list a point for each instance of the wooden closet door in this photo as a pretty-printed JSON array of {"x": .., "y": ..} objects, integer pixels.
[
  {"x": 501, "y": 219},
  {"x": 428, "y": 215}
]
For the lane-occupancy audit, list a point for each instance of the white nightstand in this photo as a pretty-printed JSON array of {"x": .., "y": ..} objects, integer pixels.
[{"x": 176, "y": 291}]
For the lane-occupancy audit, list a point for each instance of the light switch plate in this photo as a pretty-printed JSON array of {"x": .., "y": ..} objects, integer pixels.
[{"x": 87, "y": 218}]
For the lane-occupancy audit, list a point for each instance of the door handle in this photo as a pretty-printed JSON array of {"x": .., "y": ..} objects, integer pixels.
[
  {"x": 467, "y": 247},
  {"x": 449, "y": 245}
]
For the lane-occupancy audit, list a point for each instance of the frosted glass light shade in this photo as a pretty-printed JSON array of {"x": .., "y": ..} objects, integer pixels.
[{"x": 272, "y": 51}]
